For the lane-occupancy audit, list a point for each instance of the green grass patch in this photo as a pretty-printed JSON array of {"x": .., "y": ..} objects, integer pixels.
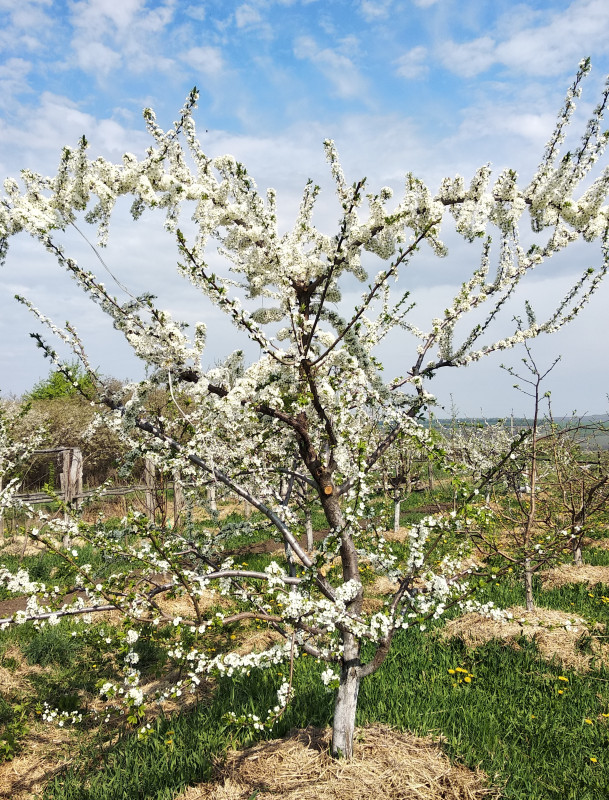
[
  {"x": 180, "y": 750},
  {"x": 509, "y": 718},
  {"x": 532, "y": 725},
  {"x": 597, "y": 557}
]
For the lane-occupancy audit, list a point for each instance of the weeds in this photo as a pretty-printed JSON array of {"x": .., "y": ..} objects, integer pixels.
[{"x": 540, "y": 731}]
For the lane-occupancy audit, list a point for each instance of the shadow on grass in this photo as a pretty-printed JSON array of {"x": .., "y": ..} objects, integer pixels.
[{"x": 531, "y": 725}]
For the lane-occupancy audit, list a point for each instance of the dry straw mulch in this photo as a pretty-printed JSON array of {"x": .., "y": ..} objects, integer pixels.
[
  {"x": 387, "y": 765},
  {"x": 49, "y": 750},
  {"x": 569, "y": 573},
  {"x": 19, "y": 545},
  {"x": 48, "y": 747},
  {"x": 555, "y": 633}
]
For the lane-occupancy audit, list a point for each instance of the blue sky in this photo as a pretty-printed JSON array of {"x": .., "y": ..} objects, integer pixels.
[{"x": 430, "y": 86}]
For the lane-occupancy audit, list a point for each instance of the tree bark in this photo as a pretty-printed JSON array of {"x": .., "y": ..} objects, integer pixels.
[
  {"x": 396, "y": 512},
  {"x": 150, "y": 483},
  {"x": 576, "y": 551},
  {"x": 309, "y": 530},
  {"x": 178, "y": 498},
  {"x": 343, "y": 726},
  {"x": 528, "y": 585},
  {"x": 211, "y": 498}
]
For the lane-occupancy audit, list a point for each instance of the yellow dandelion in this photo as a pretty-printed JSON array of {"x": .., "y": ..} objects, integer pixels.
[
  {"x": 451, "y": 672},
  {"x": 467, "y": 679},
  {"x": 588, "y": 721},
  {"x": 592, "y": 759},
  {"x": 560, "y": 691},
  {"x": 562, "y": 678}
]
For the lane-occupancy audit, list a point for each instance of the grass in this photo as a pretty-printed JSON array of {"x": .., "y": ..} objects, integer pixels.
[
  {"x": 510, "y": 719},
  {"x": 597, "y": 557},
  {"x": 536, "y": 729}
]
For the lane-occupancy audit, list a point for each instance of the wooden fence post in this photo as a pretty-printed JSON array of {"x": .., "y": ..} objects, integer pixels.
[{"x": 71, "y": 482}]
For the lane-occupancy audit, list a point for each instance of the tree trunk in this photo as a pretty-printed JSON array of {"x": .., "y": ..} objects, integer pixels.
[
  {"x": 150, "y": 484},
  {"x": 211, "y": 498},
  {"x": 396, "y": 512},
  {"x": 528, "y": 584},
  {"x": 309, "y": 530},
  {"x": 576, "y": 550},
  {"x": 343, "y": 726},
  {"x": 178, "y": 498}
]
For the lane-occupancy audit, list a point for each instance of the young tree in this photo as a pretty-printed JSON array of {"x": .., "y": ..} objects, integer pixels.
[
  {"x": 579, "y": 497},
  {"x": 305, "y": 405},
  {"x": 552, "y": 493},
  {"x": 525, "y": 474}
]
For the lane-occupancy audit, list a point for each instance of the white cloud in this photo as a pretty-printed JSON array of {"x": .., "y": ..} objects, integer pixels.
[
  {"x": 413, "y": 63},
  {"x": 247, "y": 16},
  {"x": 336, "y": 67},
  {"x": 470, "y": 58},
  {"x": 425, "y": 3},
  {"x": 36, "y": 138},
  {"x": 548, "y": 46},
  {"x": 196, "y": 12},
  {"x": 207, "y": 60},
  {"x": 375, "y": 9},
  {"x": 13, "y": 80},
  {"x": 125, "y": 35},
  {"x": 582, "y": 29},
  {"x": 98, "y": 58},
  {"x": 26, "y": 25}
]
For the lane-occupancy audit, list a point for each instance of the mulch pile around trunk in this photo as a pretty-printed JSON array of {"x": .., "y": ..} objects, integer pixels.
[
  {"x": 387, "y": 765},
  {"x": 556, "y": 634},
  {"x": 570, "y": 573}
]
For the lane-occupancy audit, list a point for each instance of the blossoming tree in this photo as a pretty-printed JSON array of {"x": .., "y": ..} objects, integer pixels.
[
  {"x": 16, "y": 448},
  {"x": 315, "y": 406}
]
